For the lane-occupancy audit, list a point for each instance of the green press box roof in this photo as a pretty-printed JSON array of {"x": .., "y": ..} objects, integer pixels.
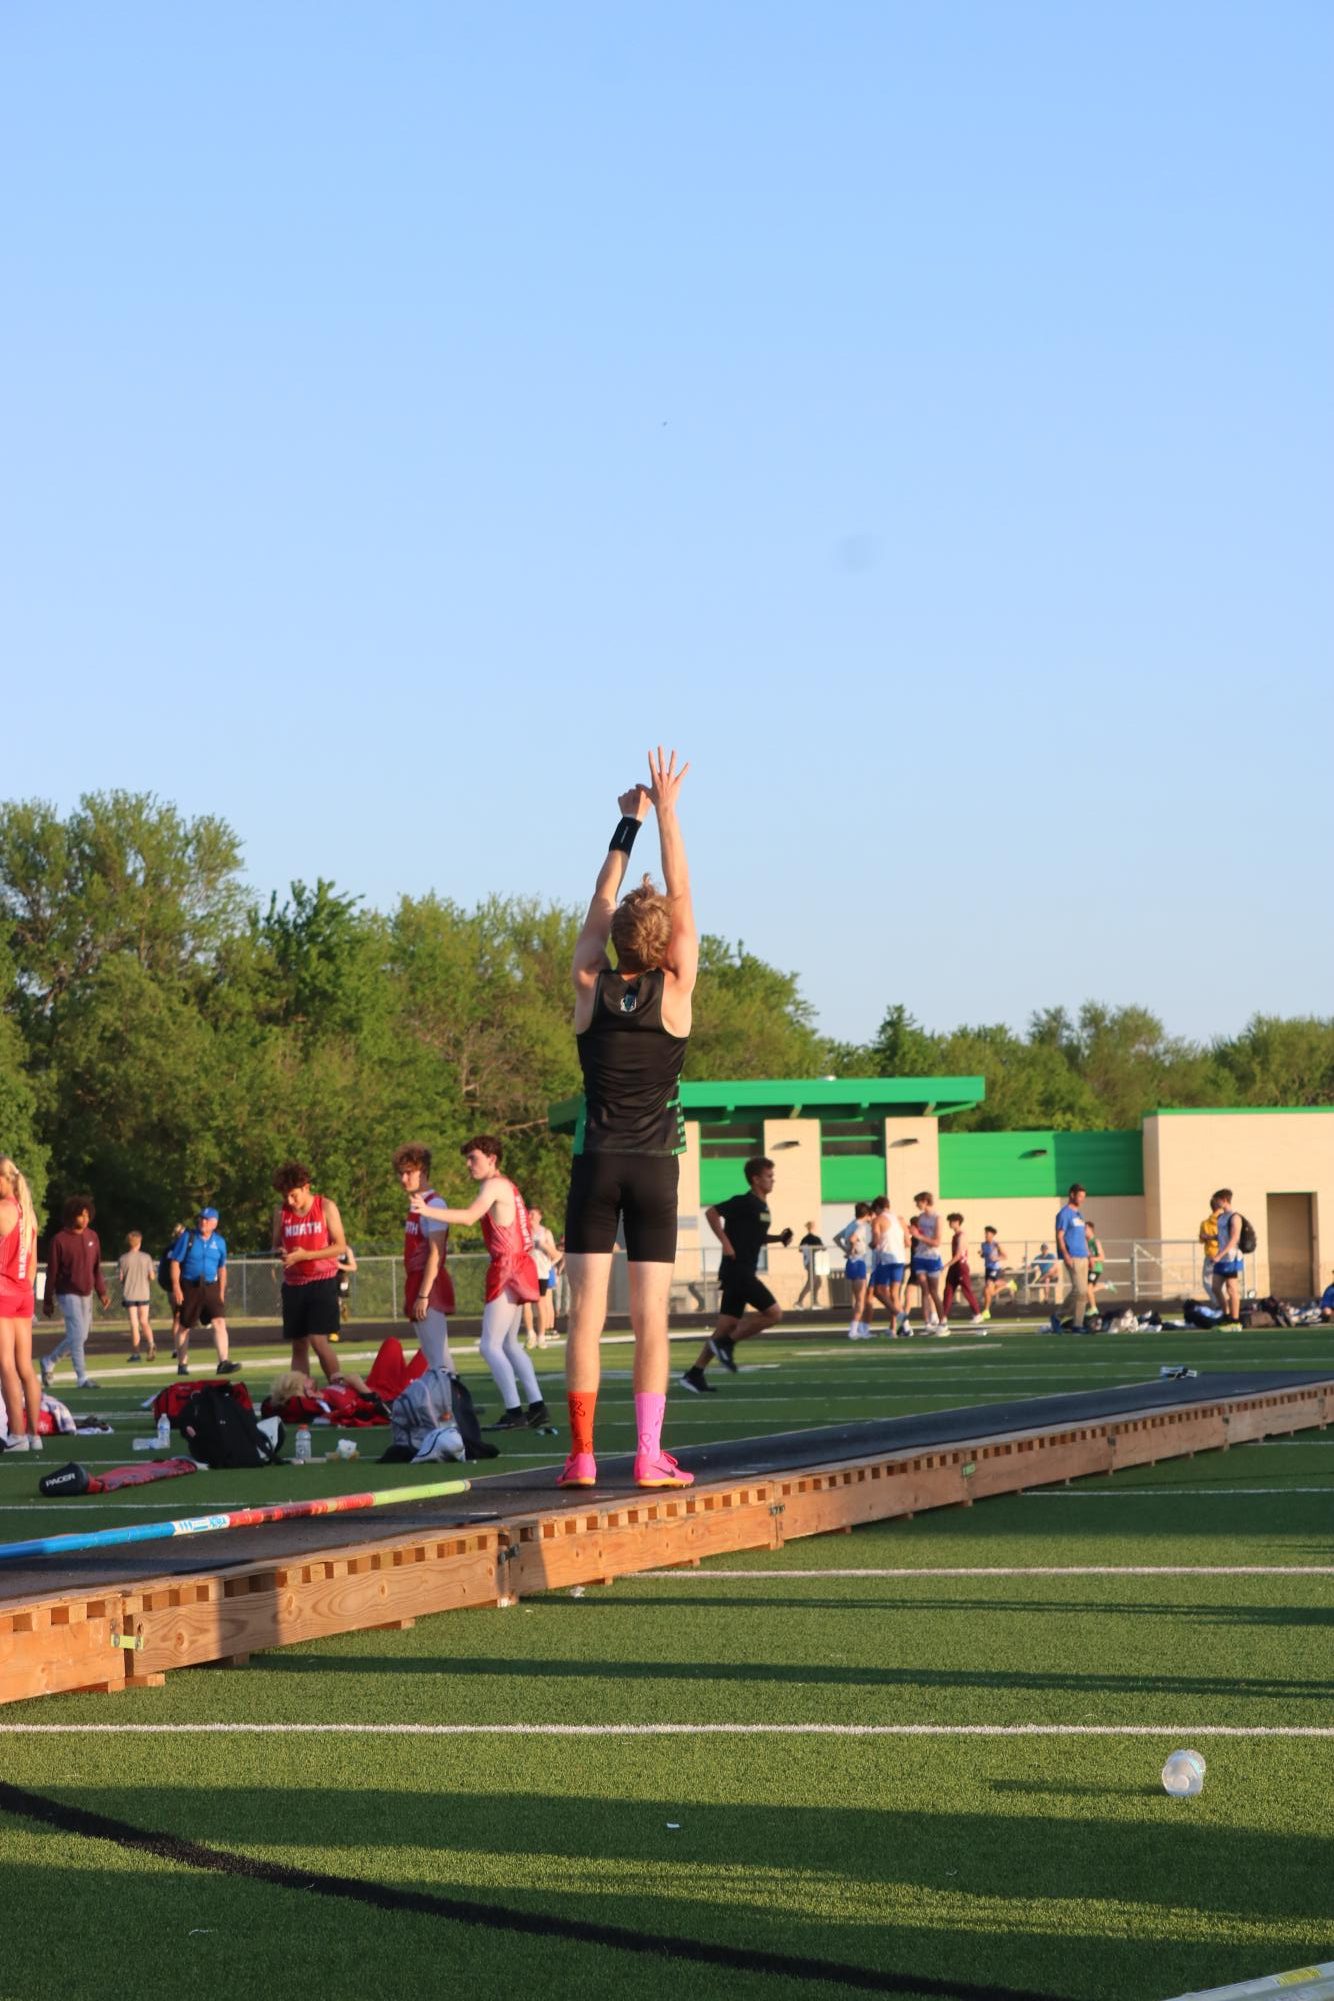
[{"x": 747, "y": 1100}]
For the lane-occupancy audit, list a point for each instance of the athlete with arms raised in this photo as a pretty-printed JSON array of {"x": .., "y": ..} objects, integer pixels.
[{"x": 631, "y": 1024}]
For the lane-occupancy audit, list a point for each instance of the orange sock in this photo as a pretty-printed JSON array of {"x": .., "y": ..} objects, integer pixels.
[{"x": 581, "y": 1404}]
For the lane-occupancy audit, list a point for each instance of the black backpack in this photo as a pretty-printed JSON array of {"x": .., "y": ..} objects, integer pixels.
[
  {"x": 413, "y": 1416},
  {"x": 468, "y": 1422},
  {"x": 222, "y": 1432},
  {"x": 1246, "y": 1238},
  {"x": 164, "y": 1262}
]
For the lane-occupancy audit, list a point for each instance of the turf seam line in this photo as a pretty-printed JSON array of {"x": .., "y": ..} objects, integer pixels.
[
  {"x": 1197, "y": 1728},
  {"x": 180, "y": 1850}
]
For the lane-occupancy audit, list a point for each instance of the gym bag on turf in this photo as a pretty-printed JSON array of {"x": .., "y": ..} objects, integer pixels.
[
  {"x": 222, "y": 1431},
  {"x": 171, "y": 1401}
]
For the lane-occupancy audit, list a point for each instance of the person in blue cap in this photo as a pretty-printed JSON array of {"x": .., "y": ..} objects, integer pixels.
[{"x": 197, "y": 1270}]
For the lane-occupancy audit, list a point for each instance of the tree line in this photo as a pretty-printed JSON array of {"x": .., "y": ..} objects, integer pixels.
[{"x": 166, "y": 1040}]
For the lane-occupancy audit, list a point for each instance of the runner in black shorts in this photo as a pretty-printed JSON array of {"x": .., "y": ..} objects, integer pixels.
[
  {"x": 741, "y": 1225},
  {"x": 631, "y": 1025}
]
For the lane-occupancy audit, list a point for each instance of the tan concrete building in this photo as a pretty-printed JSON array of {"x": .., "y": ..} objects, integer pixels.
[{"x": 837, "y": 1141}]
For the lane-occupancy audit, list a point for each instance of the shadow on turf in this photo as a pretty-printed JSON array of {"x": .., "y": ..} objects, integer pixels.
[
  {"x": 808, "y": 1674},
  {"x": 1172, "y": 1608},
  {"x": 1168, "y": 1856}
]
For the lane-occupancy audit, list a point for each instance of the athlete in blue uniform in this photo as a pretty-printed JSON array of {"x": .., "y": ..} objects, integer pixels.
[
  {"x": 927, "y": 1263},
  {"x": 854, "y": 1240}
]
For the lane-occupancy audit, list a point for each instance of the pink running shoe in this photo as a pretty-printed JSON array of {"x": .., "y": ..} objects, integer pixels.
[
  {"x": 662, "y": 1471},
  {"x": 581, "y": 1470}
]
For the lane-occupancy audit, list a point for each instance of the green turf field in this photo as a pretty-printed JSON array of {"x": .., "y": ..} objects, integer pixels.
[{"x": 889, "y": 1752}]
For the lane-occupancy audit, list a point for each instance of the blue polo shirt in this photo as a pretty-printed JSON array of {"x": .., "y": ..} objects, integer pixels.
[
  {"x": 1070, "y": 1220},
  {"x": 203, "y": 1258},
  {"x": 1327, "y": 1297}
]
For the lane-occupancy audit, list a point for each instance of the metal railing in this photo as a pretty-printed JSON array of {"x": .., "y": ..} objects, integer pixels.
[{"x": 1133, "y": 1268}]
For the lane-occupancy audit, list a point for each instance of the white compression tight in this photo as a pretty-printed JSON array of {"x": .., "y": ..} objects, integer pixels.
[
  {"x": 504, "y": 1355},
  {"x": 433, "y": 1335}
]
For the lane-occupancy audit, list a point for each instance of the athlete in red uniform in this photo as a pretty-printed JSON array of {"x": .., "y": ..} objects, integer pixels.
[
  {"x": 510, "y": 1280},
  {"x": 428, "y": 1290},
  {"x": 308, "y": 1234},
  {"x": 18, "y": 1262}
]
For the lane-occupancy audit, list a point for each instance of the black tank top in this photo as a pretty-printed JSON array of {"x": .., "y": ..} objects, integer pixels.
[{"x": 632, "y": 1070}]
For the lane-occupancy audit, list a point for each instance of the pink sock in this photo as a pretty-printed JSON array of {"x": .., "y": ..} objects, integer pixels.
[{"x": 649, "y": 1410}]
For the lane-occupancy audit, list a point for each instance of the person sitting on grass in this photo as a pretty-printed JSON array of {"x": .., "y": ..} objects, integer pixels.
[
  {"x": 348, "y": 1400},
  {"x": 1327, "y": 1304}
]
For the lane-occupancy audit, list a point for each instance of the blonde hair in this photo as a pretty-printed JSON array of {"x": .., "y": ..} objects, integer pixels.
[
  {"x": 641, "y": 928},
  {"x": 23, "y": 1196},
  {"x": 291, "y": 1383}
]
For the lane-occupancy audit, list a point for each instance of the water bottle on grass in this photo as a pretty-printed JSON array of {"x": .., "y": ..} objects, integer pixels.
[
  {"x": 164, "y": 1433},
  {"x": 1183, "y": 1775},
  {"x": 302, "y": 1455}
]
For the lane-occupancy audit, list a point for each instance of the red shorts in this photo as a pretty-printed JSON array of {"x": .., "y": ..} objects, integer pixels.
[{"x": 16, "y": 1299}]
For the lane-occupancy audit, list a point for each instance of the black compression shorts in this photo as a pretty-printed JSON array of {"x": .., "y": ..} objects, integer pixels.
[
  {"x": 310, "y": 1309},
  {"x": 740, "y": 1289},
  {"x": 636, "y": 1188}
]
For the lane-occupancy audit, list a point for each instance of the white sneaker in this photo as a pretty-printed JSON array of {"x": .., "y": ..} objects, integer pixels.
[
  {"x": 977, "y": 1321},
  {"x": 34, "y": 1441},
  {"x": 19, "y": 1444}
]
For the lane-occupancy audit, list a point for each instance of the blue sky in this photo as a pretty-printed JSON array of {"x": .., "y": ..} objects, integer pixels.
[{"x": 920, "y": 414}]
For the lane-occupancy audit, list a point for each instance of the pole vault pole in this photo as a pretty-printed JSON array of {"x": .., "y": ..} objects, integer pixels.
[{"x": 238, "y": 1518}]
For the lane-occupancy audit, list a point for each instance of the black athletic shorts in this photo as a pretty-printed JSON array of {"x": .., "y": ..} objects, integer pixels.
[
  {"x": 201, "y": 1300},
  {"x": 740, "y": 1289},
  {"x": 310, "y": 1309},
  {"x": 638, "y": 1189}
]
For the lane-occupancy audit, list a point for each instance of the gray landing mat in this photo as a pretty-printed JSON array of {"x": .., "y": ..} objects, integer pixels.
[{"x": 507, "y": 1494}]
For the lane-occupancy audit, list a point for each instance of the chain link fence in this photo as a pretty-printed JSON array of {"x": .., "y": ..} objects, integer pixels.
[{"x": 1133, "y": 1268}]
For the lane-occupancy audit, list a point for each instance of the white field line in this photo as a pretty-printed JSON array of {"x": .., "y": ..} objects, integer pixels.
[
  {"x": 1016, "y": 1570},
  {"x": 1181, "y": 1731}
]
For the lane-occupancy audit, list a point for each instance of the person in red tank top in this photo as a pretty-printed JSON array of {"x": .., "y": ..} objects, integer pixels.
[
  {"x": 308, "y": 1236},
  {"x": 428, "y": 1290},
  {"x": 511, "y": 1280},
  {"x": 18, "y": 1262}
]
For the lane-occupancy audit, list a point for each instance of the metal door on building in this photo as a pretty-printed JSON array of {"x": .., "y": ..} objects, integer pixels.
[{"x": 1290, "y": 1243}]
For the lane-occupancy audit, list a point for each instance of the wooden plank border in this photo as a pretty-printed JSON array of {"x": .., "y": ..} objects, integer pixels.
[{"x": 131, "y": 1636}]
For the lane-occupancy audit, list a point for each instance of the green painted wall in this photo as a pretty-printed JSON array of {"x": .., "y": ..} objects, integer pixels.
[
  {"x": 852, "y": 1177},
  {"x": 977, "y": 1165},
  {"x": 974, "y": 1166},
  {"x": 718, "y": 1179}
]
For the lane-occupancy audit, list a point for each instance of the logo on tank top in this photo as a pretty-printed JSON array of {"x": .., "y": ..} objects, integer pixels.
[{"x": 629, "y": 1000}]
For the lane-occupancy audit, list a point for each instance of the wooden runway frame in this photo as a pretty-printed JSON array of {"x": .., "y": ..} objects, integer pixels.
[{"x": 131, "y": 1634}]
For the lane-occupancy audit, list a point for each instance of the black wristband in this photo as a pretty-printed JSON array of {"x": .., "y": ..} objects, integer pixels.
[{"x": 624, "y": 837}]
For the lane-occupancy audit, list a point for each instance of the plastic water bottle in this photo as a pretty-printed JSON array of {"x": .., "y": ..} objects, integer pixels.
[
  {"x": 302, "y": 1457},
  {"x": 163, "y": 1440},
  {"x": 1183, "y": 1775}
]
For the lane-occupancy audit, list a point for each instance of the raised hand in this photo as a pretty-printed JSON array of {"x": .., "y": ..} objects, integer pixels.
[
  {"x": 664, "y": 779},
  {"x": 634, "y": 803}
]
